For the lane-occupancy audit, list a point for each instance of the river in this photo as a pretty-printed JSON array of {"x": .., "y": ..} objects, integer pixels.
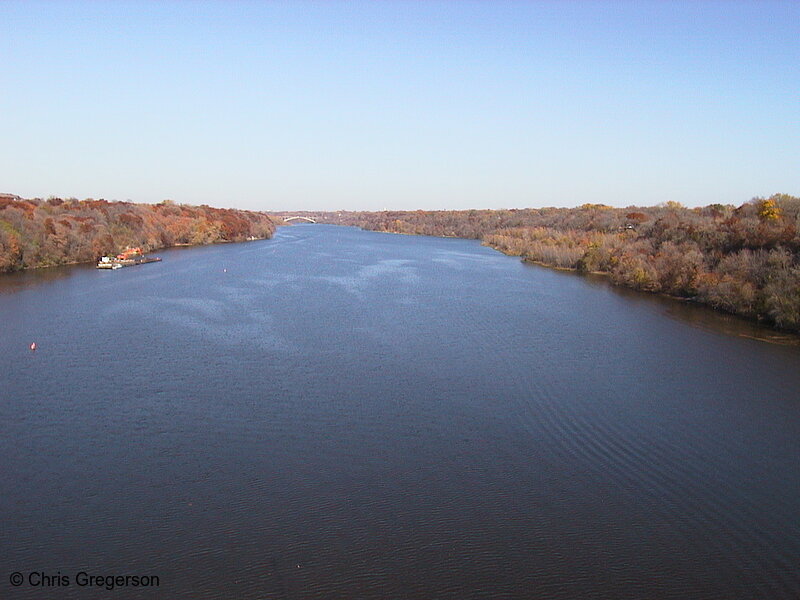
[{"x": 336, "y": 413}]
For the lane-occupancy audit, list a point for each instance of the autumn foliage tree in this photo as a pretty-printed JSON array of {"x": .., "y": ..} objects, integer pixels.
[{"x": 41, "y": 233}]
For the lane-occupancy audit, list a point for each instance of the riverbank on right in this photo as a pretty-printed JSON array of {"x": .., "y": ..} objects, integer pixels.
[{"x": 741, "y": 260}]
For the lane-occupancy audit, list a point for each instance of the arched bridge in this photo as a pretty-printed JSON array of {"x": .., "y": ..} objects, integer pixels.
[{"x": 309, "y": 219}]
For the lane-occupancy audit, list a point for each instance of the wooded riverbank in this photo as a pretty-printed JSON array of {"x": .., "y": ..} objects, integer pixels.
[{"x": 44, "y": 233}]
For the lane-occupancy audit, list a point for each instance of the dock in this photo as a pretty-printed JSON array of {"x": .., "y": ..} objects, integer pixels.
[{"x": 117, "y": 263}]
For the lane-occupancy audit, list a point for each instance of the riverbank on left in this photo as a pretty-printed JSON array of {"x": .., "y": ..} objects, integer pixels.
[{"x": 37, "y": 233}]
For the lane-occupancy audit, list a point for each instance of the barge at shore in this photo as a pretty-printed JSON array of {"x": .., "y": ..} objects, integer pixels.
[{"x": 129, "y": 258}]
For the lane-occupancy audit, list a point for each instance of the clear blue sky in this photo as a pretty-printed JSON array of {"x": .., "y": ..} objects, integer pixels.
[{"x": 400, "y": 105}]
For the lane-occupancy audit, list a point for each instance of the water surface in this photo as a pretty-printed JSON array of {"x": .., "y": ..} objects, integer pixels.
[{"x": 344, "y": 414}]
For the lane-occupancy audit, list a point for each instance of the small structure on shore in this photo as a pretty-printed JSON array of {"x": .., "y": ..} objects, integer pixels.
[{"x": 128, "y": 258}]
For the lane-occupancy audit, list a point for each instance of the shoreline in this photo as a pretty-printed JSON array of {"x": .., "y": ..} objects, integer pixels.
[
  {"x": 790, "y": 337},
  {"x": 94, "y": 261}
]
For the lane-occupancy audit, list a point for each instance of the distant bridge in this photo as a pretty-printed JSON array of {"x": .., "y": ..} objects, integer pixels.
[{"x": 309, "y": 219}]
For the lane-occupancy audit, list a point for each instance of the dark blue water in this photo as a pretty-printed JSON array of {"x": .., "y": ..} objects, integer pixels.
[{"x": 343, "y": 414}]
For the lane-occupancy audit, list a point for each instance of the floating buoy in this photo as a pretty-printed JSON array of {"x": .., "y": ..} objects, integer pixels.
[
  {"x": 224, "y": 270},
  {"x": 33, "y": 346}
]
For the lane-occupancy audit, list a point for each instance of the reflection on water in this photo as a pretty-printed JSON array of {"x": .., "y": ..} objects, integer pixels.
[
  {"x": 14, "y": 282},
  {"x": 715, "y": 321},
  {"x": 697, "y": 315}
]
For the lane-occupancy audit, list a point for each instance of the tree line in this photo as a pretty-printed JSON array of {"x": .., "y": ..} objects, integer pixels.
[
  {"x": 744, "y": 260},
  {"x": 41, "y": 233}
]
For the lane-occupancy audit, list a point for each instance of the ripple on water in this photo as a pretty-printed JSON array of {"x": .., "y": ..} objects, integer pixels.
[{"x": 343, "y": 414}]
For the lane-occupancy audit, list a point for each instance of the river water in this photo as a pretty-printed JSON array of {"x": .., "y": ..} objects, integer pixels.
[{"x": 336, "y": 413}]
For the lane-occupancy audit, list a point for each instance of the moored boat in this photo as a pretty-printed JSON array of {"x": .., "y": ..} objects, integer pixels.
[{"x": 129, "y": 258}]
